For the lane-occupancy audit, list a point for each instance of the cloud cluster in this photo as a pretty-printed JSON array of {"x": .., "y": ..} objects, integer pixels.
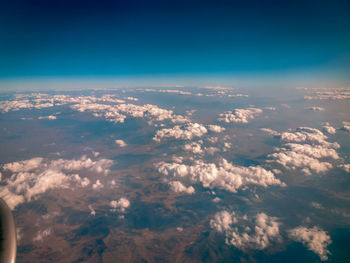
[
  {"x": 120, "y": 143},
  {"x": 216, "y": 128},
  {"x": 328, "y": 128},
  {"x": 346, "y": 126},
  {"x": 224, "y": 175},
  {"x": 326, "y": 93},
  {"x": 184, "y": 132},
  {"x": 262, "y": 231},
  {"x": 314, "y": 239},
  {"x": 178, "y": 187},
  {"x": 107, "y": 106},
  {"x": 30, "y": 178},
  {"x": 315, "y": 108},
  {"x": 119, "y": 205},
  {"x": 246, "y": 233},
  {"x": 42, "y": 234},
  {"x": 305, "y": 149},
  {"x": 239, "y": 115},
  {"x": 181, "y": 92},
  {"x": 50, "y": 117}
]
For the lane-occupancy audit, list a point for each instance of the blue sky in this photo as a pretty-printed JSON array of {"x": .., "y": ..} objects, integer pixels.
[{"x": 149, "y": 38}]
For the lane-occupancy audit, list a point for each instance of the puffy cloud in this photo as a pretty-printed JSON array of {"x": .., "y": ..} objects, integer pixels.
[
  {"x": 169, "y": 91},
  {"x": 314, "y": 239},
  {"x": 42, "y": 234},
  {"x": 98, "y": 185},
  {"x": 346, "y": 167},
  {"x": 328, "y": 128},
  {"x": 121, "y": 143},
  {"x": 36, "y": 176},
  {"x": 245, "y": 233},
  {"x": 92, "y": 210},
  {"x": 193, "y": 147},
  {"x": 131, "y": 98},
  {"x": 327, "y": 93},
  {"x": 315, "y": 108},
  {"x": 270, "y": 132},
  {"x": 178, "y": 187},
  {"x": 239, "y": 115},
  {"x": 216, "y": 128},
  {"x": 119, "y": 205},
  {"x": 346, "y": 126},
  {"x": 305, "y": 149},
  {"x": 50, "y": 117},
  {"x": 224, "y": 175},
  {"x": 185, "y": 132}
]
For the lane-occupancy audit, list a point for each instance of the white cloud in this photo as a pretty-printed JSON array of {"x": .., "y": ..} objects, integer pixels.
[
  {"x": 315, "y": 108},
  {"x": 239, "y": 115},
  {"x": 327, "y": 93},
  {"x": 121, "y": 143},
  {"x": 92, "y": 210},
  {"x": 245, "y": 233},
  {"x": 346, "y": 126},
  {"x": 314, "y": 239},
  {"x": 346, "y": 167},
  {"x": 224, "y": 175},
  {"x": 50, "y": 117},
  {"x": 305, "y": 149},
  {"x": 185, "y": 132},
  {"x": 33, "y": 177},
  {"x": 216, "y": 128},
  {"x": 42, "y": 234},
  {"x": 193, "y": 147},
  {"x": 270, "y": 132},
  {"x": 98, "y": 185},
  {"x": 119, "y": 205},
  {"x": 328, "y": 128},
  {"x": 131, "y": 98},
  {"x": 178, "y": 187}
]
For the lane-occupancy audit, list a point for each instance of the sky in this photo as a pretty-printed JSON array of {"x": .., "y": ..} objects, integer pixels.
[{"x": 80, "y": 39}]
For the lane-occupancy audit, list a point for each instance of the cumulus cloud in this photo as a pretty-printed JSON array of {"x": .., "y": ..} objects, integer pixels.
[
  {"x": 326, "y": 93},
  {"x": 178, "y": 187},
  {"x": 92, "y": 210},
  {"x": 305, "y": 149},
  {"x": 346, "y": 126},
  {"x": 216, "y": 128},
  {"x": 239, "y": 115},
  {"x": 121, "y": 143},
  {"x": 346, "y": 167},
  {"x": 50, "y": 117},
  {"x": 328, "y": 128},
  {"x": 246, "y": 233},
  {"x": 193, "y": 147},
  {"x": 314, "y": 239},
  {"x": 42, "y": 234},
  {"x": 119, "y": 205},
  {"x": 224, "y": 175},
  {"x": 185, "y": 132},
  {"x": 30, "y": 178},
  {"x": 270, "y": 132},
  {"x": 315, "y": 108},
  {"x": 174, "y": 91},
  {"x": 98, "y": 185},
  {"x": 131, "y": 98}
]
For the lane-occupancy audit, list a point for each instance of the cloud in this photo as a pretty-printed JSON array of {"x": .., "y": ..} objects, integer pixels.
[
  {"x": 327, "y": 93},
  {"x": 98, "y": 185},
  {"x": 216, "y": 128},
  {"x": 239, "y": 115},
  {"x": 131, "y": 98},
  {"x": 246, "y": 233},
  {"x": 224, "y": 175},
  {"x": 193, "y": 147},
  {"x": 181, "y": 92},
  {"x": 314, "y": 239},
  {"x": 33, "y": 177},
  {"x": 346, "y": 167},
  {"x": 119, "y": 205},
  {"x": 50, "y": 117},
  {"x": 185, "y": 132},
  {"x": 305, "y": 149},
  {"x": 92, "y": 210},
  {"x": 328, "y": 128},
  {"x": 270, "y": 132},
  {"x": 178, "y": 187},
  {"x": 42, "y": 234},
  {"x": 315, "y": 108},
  {"x": 346, "y": 126},
  {"x": 121, "y": 143}
]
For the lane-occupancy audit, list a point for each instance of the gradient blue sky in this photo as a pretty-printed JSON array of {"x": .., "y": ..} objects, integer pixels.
[{"x": 132, "y": 38}]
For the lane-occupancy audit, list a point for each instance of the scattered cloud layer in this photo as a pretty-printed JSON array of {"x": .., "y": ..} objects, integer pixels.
[
  {"x": 223, "y": 175},
  {"x": 184, "y": 132},
  {"x": 119, "y": 205},
  {"x": 239, "y": 115},
  {"x": 314, "y": 239},
  {"x": 305, "y": 149},
  {"x": 326, "y": 93},
  {"x": 30, "y": 178},
  {"x": 244, "y": 233}
]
